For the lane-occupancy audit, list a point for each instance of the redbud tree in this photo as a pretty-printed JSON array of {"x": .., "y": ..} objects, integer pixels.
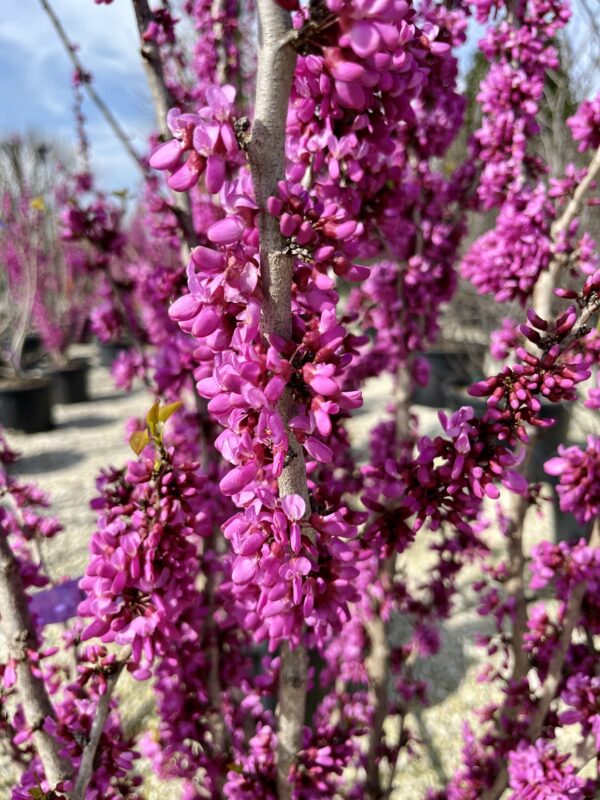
[{"x": 299, "y": 231}]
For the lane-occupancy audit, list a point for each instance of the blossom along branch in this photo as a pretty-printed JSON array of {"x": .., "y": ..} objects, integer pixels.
[
  {"x": 19, "y": 633},
  {"x": 110, "y": 118},
  {"x": 553, "y": 678}
]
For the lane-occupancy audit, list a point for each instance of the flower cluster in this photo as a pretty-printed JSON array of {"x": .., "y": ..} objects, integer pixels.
[
  {"x": 208, "y": 139},
  {"x": 141, "y": 577},
  {"x": 540, "y": 772},
  {"x": 508, "y": 260},
  {"x": 520, "y": 49},
  {"x": 579, "y": 479},
  {"x": 516, "y": 395},
  {"x": 585, "y": 124}
]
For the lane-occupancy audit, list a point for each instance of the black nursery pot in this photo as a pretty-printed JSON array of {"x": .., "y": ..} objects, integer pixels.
[
  {"x": 447, "y": 368},
  {"x": 33, "y": 351},
  {"x": 26, "y": 405},
  {"x": 71, "y": 382},
  {"x": 110, "y": 350}
]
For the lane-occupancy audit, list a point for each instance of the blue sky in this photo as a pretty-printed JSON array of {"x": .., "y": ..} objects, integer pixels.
[{"x": 35, "y": 77}]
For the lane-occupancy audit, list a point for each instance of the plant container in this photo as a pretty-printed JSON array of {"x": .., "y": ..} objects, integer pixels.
[
  {"x": 110, "y": 350},
  {"x": 71, "y": 382},
  {"x": 447, "y": 368},
  {"x": 26, "y": 405}
]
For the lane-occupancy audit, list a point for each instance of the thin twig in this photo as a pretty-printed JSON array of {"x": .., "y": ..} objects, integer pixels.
[
  {"x": 378, "y": 670},
  {"x": 162, "y": 101}
]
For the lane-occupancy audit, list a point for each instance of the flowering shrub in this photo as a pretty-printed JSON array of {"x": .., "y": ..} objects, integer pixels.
[{"x": 245, "y": 560}]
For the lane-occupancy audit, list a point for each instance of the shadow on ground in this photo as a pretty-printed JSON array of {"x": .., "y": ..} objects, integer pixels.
[
  {"x": 46, "y": 462},
  {"x": 86, "y": 421}
]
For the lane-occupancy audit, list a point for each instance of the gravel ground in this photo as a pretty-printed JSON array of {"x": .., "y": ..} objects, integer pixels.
[{"x": 89, "y": 436}]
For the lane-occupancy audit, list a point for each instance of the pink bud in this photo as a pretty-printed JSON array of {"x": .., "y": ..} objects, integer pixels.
[
  {"x": 252, "y": 544},
  {"x": 183, "y": 178},
  {"x": 207, "y": 259},
  {"x": 555, "y": 466},
  {"x": 215, "y": 174},
  {"x": 293, "y": 506},
  {"x": 185, "y": 307},
  {"x": 515, "y": 481},
  {"x": 244, "y": 570},
  {"x": 480, "y": 389},
  {"x": 347, "y": 71},
  {"x": 343, "y": 230},
  {"x": 166, "y": 156},
  {"x": 288, "y": 224},
  {"x": 536, "y": 321},
  {"x": 317, "y": 450},
  {"x": 206, "y": 322},
  {"x": 226, "y": 231},
  {"x": 323, "y": 385},
  {"x": 238, "y": 478},
  {"x": 275, "y": 206},
  {"x": 364, "y": 38}
]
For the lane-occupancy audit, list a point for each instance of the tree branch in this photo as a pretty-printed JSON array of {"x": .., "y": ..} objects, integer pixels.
[
  {"x": 19, "y": 632},
  {"x": 559, "y": 655},
  {"x": 276, "y": 63},
  {"x": 378, "y": 670}
]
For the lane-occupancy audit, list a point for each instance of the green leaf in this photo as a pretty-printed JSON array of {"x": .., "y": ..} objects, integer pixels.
[
  {"x": 138, "y": 440},
  {"x": 152, "y": 418},
  {"x": 167, "y": 411}
]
